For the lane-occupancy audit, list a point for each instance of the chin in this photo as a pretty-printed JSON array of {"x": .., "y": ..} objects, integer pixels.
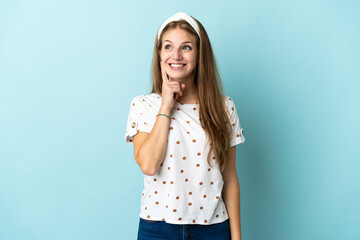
[{"x": 177, "y": 77}]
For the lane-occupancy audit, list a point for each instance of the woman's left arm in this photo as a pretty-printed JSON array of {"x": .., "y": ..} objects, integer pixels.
[{"x": 231, "y": 194}]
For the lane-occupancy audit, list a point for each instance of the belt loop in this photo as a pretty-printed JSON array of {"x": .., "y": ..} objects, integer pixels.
[
  {"x": 183, "y": 232},
  {"x": 191, "y": 232}
]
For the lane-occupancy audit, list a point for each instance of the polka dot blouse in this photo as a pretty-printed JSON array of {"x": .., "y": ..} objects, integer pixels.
[{"x": 185, "y": 189}]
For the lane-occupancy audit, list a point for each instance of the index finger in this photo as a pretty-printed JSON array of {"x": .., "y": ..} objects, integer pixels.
[{"x": 163, "y": 73}]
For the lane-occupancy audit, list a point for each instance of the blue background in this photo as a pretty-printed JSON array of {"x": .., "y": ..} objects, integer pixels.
[{"x": 69, "y": 69}]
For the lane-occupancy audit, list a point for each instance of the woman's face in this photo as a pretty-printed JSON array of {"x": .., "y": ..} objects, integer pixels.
[{"x": 178, "y": 52}]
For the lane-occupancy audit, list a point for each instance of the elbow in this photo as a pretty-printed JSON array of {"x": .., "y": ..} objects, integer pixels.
[
  {"x": 145, "y": 167},
  {"x": 148, "y": 171}
]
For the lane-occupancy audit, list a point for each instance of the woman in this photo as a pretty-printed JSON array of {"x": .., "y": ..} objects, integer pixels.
[{"x": 184, "y": 135}]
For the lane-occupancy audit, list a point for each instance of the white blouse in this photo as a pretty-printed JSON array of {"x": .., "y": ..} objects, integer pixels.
[{"x": 185, "y": 189}]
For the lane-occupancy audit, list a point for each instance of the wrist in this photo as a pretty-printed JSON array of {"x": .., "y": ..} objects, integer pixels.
[{"x": 164, "y": 110}]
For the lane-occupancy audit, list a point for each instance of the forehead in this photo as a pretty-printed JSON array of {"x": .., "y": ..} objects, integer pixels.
[{"x": 178, "y": 35}]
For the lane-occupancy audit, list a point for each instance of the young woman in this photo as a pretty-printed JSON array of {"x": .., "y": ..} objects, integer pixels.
[{"x": 184, "y": 135}]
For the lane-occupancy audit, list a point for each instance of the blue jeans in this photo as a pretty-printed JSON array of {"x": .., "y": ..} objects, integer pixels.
[{"x": 161, "y": 230}]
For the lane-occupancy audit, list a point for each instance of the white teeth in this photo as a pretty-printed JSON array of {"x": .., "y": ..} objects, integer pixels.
[{"x": 177, "y": 65}]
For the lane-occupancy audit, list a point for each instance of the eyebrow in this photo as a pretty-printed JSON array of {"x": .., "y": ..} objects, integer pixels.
[{"x": 182, "y": 43}]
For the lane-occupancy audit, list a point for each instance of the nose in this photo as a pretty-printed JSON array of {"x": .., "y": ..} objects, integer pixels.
[{"x": 177, "y": 54}]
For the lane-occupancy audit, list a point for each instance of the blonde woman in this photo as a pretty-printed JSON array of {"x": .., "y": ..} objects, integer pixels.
[{"x": 184, "y": 135}]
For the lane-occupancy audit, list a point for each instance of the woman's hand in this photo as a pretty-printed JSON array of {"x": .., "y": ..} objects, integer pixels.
[{"x": 170, "y": 89}]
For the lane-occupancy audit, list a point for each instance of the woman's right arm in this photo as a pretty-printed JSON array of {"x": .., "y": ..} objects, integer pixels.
[{"x": 150, "y": 148}]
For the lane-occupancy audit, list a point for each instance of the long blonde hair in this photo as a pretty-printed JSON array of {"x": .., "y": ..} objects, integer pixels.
[{"x": 213, "y": 112}]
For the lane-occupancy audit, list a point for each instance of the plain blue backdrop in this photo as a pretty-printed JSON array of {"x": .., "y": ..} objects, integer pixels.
[{"x": 69, "y": 69}]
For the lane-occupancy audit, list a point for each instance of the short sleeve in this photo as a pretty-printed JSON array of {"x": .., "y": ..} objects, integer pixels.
[
  {"x": 237, "y": 133},
  {"x": 137, "y": 121}
]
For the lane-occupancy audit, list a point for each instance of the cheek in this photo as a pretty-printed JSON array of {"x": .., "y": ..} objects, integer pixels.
[
  {"x": 165, "y": 57},
  {"x": 191, "y": 58}
]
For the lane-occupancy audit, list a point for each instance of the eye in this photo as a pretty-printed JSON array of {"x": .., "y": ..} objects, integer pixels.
[
  {"x": 186, "y": 46},
  {"x": 167, "y": 46}
]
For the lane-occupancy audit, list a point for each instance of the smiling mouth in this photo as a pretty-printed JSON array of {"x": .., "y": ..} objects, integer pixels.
[{"x": 177, "y": 66}]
